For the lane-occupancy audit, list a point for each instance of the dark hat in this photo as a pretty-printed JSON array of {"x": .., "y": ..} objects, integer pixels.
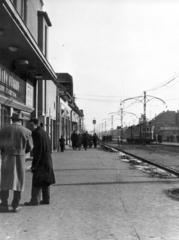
[{"x": 17, "y": 116}]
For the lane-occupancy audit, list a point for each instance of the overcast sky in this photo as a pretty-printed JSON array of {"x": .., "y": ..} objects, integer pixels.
[{"x": 114, "y": 50}]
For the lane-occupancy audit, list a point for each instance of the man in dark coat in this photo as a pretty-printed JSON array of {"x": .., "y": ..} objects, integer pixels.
[
  {"x": 15, "y": 142},
  {"x": 74, "y": 139},
  {"x": 62, "y": 143},
  {"x": 42, "y": 167},
  {"x": 85, "y": 140},
  {"x": 95, "y": 139}
]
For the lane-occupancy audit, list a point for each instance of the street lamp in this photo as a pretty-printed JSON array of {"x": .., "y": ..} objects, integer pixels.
[{"x": 94, "y": 122}]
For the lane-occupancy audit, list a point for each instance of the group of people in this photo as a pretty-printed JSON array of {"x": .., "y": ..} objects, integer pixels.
[
  {"x": 78, "y": 140},
  {"x": 107, "y": 138},
  {"x": 86, "y": 140},
  {"x": 15, "y": 142}
]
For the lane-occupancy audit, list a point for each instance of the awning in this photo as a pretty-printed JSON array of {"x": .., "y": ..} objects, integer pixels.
[
  {"x": 13, "y": 32},
  {"x": 12, "y": 103}
]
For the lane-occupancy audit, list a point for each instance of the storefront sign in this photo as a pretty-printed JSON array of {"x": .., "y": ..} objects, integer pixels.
[
  {"x": 29, "y": 95},
  {"x": 11, "y": 85}
]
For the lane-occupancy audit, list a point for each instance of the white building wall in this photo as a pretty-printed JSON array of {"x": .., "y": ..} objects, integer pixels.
[{"x": 51, "y": 100}]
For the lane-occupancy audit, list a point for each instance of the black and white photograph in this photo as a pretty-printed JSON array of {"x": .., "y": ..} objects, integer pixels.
[{"x": 89, "y": 120}]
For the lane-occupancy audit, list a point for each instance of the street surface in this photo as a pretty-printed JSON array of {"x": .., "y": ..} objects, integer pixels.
[{"x": 96, "y": 197}]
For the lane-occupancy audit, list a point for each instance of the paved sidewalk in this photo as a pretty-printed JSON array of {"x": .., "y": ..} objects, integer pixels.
[{"x": 97, "y": 197}]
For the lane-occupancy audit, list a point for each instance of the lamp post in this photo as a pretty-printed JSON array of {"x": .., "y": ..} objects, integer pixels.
[{"x": 94, "y": 122}]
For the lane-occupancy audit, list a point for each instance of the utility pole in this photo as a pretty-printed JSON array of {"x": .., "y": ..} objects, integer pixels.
[
  {"x": 121, "y": 123},
  {"x": 144, "y": 119},
  {"x": 111, "y": 125}
]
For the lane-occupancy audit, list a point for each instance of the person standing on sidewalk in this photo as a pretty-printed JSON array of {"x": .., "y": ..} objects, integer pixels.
[
  {"x": 62, "y": 143},
  {"x": 79, "y": 141},
  {"x": 85, "y": 140},
  {"x": 95, "y": 139},
  {"x": 15, "y": 142},
  {"x": 42, "y": 167},
  {"x": 74, "y": 139}
]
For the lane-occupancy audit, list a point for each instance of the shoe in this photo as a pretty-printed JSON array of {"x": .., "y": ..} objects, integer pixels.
[
  {"x": 44, "y": 202},
  {"x": 16, "y": 209},
  {"x": 4, "y": 208},
  {"x": 31, "y": 204}
]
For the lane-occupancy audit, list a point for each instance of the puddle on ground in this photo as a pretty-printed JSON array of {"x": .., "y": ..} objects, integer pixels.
[{"x": 151, "y": 170}]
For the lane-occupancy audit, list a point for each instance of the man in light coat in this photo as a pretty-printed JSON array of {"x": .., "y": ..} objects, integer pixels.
[{"x": 15, "y": 142}]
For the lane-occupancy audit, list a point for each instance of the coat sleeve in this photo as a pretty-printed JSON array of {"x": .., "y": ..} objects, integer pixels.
[
  {"x": 29, "y": 144},
  {"x": 37, "y": 150}
]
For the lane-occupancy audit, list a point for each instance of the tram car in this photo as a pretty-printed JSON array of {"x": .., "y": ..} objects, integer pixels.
[{"x": 136, "y": 134}]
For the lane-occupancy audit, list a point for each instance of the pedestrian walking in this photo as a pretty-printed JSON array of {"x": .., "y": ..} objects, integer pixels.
[
  {"x": 79, "y": 141},
  {"x": 95, "y": 139},
  {"x": 74, "y": 139},
  {"x": 85, "y": 140},
  {"x": 42, "y": 167},
  {"x": 15, "y": 142},
  {"x": 62, "y": 143}
]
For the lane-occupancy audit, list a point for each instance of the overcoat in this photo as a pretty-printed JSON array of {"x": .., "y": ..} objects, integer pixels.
[
  {"x": 62, "y": 141},
  {"x": 15, "y": 142},
  {"x": 42, "y": 166}
]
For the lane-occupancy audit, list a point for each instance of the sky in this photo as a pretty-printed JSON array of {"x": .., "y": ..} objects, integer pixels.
[{"x": 115, "y": 50}]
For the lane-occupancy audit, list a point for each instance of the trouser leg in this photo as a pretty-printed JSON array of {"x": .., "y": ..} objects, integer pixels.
[
  {"x": 35, "y": 195},
  {"x": 46, "y": 194},
  {"x": 16, "y": 199},
  {"x": 4, "y": 197}
]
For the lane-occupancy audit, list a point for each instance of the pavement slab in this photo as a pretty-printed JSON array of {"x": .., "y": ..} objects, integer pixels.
[{"x": 96, "y": 197}]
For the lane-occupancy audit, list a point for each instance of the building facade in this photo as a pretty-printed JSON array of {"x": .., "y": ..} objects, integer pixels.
[
  {"x": 166, "y": 124},
  {"x": 22, "y": 60},
  {"x": 28, "y": 83}
]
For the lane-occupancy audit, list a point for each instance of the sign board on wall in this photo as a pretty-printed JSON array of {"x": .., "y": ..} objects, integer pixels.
[
  {"x": 11, "y": 85},
  {"x": 29, "y": 95}
]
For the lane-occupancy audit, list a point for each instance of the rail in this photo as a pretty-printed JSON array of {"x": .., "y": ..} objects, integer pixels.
[{"x": 168, "y": 169}]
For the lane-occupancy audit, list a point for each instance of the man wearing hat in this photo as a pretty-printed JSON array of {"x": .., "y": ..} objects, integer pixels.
[{"x": 15, "y": 142}]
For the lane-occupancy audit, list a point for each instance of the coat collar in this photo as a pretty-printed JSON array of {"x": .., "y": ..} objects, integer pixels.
[{"x": 17, "y": 124}]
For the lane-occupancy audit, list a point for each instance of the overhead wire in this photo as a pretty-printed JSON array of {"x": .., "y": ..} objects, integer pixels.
[{"x": 171, "y": 79}]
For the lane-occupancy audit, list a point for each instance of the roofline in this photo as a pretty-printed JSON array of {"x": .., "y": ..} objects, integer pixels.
[
  {"x": 45, "y": 15},
  {"x": 25, "y": 31}
]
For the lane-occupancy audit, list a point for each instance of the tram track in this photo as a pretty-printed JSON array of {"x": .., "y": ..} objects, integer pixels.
[{"x": 142, "y": 159}]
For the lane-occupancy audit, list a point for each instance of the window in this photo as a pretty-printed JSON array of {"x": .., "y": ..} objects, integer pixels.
[{"x": 5, "y": 113}]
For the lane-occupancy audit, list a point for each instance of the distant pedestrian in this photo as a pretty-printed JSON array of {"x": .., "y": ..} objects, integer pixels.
[
  {"x": 95, "y": 139},
  {"x": 74, "y": 139},
  {"x": 15, "y": 142},
  {"x": 85, "y": 140},
  {"x": 42, "y": 167},
  {"x": 90, "y": 140},
  {"x": 79, "y": 141},
  {"x": 62, "y": 143}
]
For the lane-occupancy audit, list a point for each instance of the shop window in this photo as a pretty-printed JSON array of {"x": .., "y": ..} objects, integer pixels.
[{"x": 5, "y": 114}]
